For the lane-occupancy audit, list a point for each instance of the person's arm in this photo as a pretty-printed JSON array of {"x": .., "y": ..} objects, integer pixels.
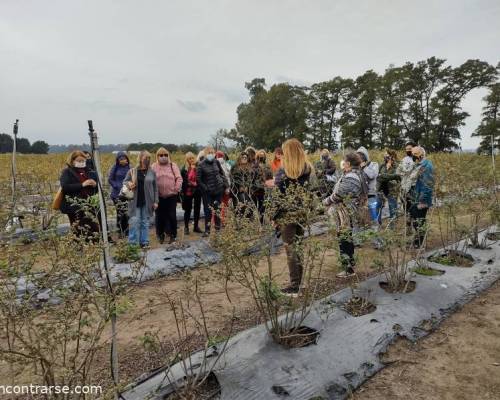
[
  {"x": 111, "y": 181},
  {"x": 371, "y": 170},
  {"x": 155, "y": 189},
  {"x": 199, "y": 178},
  {"x": 427, "y": 187},
  {"x": 178, "y": 178}
]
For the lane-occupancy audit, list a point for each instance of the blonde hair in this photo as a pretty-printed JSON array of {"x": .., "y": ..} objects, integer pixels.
[
  {"x": 73, "y": 155},
  {"x": 208, "y": 149},
  {"x": 201, "y": 154},
  {"x": 140, "y": 156},
  {"x": 188, "y": 156},
  {"x": 294, "y": 158},
  {"x": 324, "y": 152},
  {"x": 161, "y": 150}
]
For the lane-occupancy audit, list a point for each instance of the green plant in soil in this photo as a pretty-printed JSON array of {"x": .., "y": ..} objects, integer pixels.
[
  {"x": 247, "y": 245},
  {"x": 445, "y": 260},
  {"x": 426, "y": 271},
  {"x": 126, "y": 253}
]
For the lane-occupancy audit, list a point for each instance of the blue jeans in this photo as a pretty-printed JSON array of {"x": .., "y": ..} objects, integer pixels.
[
  {"x": 393, "y": 206},
  {"x": 138, "y": 232},
  {"x": 373, "y": 208}
]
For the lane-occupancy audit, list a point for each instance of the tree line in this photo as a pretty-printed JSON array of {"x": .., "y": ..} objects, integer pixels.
[
  {"x": 23, "y": 145},
  {"x": 418, "y": 102}
]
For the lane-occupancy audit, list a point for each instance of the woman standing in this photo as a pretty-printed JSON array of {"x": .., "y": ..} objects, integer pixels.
[
  {"x": 388, "y": 185},
  {"x": 142, "y": 180},
  {"x": 325, "y": 172},
  {"x": 241, "y": 183},
  {"x": 115, "y": 179},
  {"x": 262, "y": 173},
  {"x": 344, "y": 202},
  {"x": 276, "y": 163},
  {"x": 296, "y": 172},
  {"x": 169, "y": 182},
  {"x": 212, "y": 181},
  {"x": 78, "y": 183},
  {"x": 226, "y": 167},
  {"x": 190, "y": 193}
]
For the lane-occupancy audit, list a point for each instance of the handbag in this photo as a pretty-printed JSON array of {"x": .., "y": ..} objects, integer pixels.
[
  {"x": 125, "y": 191},
  {"x": 58, "y": 198}
]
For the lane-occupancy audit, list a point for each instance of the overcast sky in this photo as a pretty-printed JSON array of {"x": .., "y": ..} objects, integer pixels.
[{"x": 174, "y": 70}]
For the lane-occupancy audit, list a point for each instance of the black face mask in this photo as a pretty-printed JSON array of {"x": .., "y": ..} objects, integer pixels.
[
  {"x": 386, "y": 159},
  {"x": 415, "y": 158},
  {"x": 408, "y": 153}
]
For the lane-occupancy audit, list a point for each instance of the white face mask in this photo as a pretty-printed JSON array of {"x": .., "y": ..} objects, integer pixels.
[
  {"x": 221, "y": 160},
  {"x": 80, "y": 164}
]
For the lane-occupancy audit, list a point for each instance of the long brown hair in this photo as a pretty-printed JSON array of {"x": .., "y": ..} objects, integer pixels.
[
  {"x": 73, "y": 155},
  {"x": 294, "y": 158}
]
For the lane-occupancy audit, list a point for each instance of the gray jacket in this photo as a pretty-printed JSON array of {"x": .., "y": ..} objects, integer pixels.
[
  {"x": 150, "y": 188},
  {"x": 371, "y": 171}
]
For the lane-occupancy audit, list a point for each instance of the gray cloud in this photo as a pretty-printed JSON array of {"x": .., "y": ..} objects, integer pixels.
[
  {"x": 193, "y": 106},
  {"x": 175, "y": 71}
]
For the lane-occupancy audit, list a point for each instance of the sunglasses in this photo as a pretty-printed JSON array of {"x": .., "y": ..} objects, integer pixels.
[{"x": 162, "y": 155}]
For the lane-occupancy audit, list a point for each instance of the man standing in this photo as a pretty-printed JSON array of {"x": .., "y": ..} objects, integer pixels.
[
  {"x": 421, "y": 194},
  {"x": 404, "y": 170}
]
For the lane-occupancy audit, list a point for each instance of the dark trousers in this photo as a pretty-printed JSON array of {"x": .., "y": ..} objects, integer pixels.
[
  {"x": 346, "y": 247},
  {"x": 121, "y": 216},
  {"x": 418, "y": 222},
  {"x": 292, "y": 235},
  {"x": 166, "y": 217},
  {"x": 187, "y": 205},
  {"x": 212, "y": 203},
  {"x": 258, "y": 199},
  {"x": 85, "y": 226}
]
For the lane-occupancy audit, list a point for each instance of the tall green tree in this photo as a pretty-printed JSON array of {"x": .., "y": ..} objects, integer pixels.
[
  {"x": 489, "y": 128},
  {"x": 271, "y": 116},
  {"x": 325, "y": 105},
  {"x": 6, "y": 143},
  {"x": 40, "y": 147},
  {"x": 359, "y": 122}
]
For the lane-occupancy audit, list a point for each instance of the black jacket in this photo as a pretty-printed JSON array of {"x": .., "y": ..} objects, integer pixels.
[
  {"x": 210, "y": 177},
  {"x": 290, "y": 203},
  {"x": 72, "y": 188}
]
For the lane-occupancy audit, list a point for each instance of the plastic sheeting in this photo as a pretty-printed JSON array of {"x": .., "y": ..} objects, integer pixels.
[{"x": 253, "y": 367}]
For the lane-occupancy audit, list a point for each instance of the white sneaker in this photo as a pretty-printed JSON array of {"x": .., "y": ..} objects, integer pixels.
[{"x": 345, "y": 274}]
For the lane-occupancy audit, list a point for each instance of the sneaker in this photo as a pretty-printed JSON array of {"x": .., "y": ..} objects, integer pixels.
[
  {"x": 346, "y": 274},
  {"x": 291, "y": 291},
  {"x": 161, "y": 239},
  {"x": 145, "y": 246},
  {"x": 186, "y": 231},
  {"x": 197, "y": 230}
]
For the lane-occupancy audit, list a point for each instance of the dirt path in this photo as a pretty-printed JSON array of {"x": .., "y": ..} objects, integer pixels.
[{"x": 460, "y": 361}]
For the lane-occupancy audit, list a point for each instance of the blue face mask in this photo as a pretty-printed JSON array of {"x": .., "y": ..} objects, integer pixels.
[{"x": 210, "y": 157}]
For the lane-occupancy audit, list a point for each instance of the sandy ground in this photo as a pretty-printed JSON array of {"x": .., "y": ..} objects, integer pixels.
[
  {"x": 459, "y": 361},
  {"x": 149, "y": 313}
]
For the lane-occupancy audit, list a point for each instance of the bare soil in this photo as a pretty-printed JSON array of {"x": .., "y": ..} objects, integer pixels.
[{"x": 459, "y": 361}]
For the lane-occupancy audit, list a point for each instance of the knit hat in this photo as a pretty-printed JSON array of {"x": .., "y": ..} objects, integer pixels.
[{"x": 219, "y": 154}]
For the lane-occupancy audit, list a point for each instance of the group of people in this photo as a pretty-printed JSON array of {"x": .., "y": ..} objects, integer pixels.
[{"x": 212, "y": 180}]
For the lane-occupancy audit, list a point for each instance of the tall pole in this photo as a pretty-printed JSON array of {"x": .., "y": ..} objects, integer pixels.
[
  {"x": 14, "y": 172},
  {"x": 94, "y": 145}
]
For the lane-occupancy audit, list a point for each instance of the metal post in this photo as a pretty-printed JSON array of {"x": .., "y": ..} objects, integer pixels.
[
  {"x": 94, "y": 145},
  {"x": 14, "y": 174}
]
